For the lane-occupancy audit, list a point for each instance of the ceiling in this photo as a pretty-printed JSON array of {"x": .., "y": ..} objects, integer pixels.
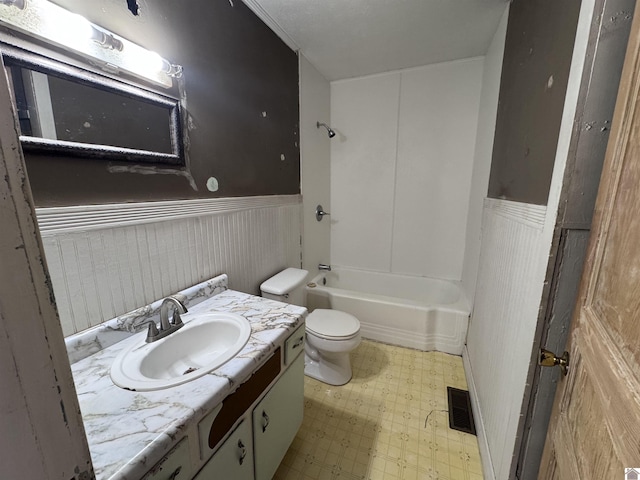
[{"x": 352, "y": 38}]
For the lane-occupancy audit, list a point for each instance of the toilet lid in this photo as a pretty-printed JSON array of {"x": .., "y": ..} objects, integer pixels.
[{"x": 332, "y": 323}]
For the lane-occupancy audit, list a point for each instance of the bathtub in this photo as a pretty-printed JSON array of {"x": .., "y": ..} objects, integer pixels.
[{"x": 416, "y": 312}]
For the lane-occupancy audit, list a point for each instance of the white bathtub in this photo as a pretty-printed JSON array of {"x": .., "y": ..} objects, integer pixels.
[{"x": 423, "y": 313}]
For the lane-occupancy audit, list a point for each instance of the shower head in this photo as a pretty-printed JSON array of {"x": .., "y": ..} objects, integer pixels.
[{"x": 330, "y": 132}]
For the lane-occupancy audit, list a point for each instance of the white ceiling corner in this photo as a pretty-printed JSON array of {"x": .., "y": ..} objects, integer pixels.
[
  {"x": 353, "y": 38},
  {"x": 271, "y": 23}
]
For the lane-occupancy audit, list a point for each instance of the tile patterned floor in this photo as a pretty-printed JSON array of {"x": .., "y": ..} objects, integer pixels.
[{"x": 390, "y": 422}]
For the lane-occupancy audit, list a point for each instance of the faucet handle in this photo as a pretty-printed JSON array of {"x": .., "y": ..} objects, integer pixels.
[
  {"x": 152, "y": 332},
  {"x": 176, "y": 320}
]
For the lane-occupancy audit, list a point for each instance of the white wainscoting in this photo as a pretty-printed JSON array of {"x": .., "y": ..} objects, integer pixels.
[
  {"x": 105, "y": 260},
  {"x": 503, "y": 324}
]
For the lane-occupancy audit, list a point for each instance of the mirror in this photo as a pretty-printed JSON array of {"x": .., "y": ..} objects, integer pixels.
[{"x": 66, "y": 110}]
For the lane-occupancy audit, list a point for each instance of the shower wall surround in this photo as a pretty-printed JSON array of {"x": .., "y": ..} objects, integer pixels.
[
  {"x": 401, "y": 168},
  {"x": 315, "y": 92},
  {"x": 106, "y": 260}
]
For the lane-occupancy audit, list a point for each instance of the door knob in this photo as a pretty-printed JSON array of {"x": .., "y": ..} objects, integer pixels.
[{"x": 549, "y": 359}]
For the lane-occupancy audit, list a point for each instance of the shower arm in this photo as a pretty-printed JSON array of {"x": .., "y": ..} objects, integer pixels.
[{"x": 330, "y": 132}]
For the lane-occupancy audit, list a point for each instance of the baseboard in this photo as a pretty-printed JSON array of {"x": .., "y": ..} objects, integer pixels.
[{"x": 485, "y": 455}]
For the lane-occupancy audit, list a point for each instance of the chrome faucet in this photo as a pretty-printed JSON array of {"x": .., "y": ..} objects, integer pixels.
[
  {"x": 322, "y": 266},
  {"x": 167, "y": 326}
]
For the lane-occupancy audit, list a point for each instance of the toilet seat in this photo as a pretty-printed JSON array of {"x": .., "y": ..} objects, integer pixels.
[{"x": 332, "y": 324}]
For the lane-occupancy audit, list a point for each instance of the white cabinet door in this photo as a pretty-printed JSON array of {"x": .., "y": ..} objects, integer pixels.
[
  {"x": 234, "y": 458},
  {"x": 277, "y": 418},
  {"x": 174, "y": 466}
]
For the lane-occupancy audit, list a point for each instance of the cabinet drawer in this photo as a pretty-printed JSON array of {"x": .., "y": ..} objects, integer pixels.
[
  {"x": 175, "y": 465},
  {"x": 294, "y": 345}
]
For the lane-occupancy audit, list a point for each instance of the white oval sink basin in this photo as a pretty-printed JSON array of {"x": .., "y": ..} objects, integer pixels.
[{"x": 202, "y": 345}]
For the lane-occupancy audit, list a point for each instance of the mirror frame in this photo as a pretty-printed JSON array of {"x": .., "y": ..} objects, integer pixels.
[{"x": 13, "y": 56}]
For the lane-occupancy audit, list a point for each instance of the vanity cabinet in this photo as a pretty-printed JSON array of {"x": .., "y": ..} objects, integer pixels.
[
  {"x": 266, "y": 422},
  {"x": 262, "y": 439},
  {"x": 276, "y": 420},
  {"x": 234, "y": 459}
]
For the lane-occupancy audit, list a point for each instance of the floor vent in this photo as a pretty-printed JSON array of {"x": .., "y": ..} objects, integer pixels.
[{"x": 460, "y": 414}]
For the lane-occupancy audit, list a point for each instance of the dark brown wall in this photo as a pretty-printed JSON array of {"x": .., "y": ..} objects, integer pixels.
[
  {"x": 535, "y": 71},
  {"x": 235, "y": 68}
]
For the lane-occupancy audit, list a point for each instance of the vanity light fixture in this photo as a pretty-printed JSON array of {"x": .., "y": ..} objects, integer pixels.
[
  {"x": 14, "y": 3},
  {"x": 56, "y": 25}
]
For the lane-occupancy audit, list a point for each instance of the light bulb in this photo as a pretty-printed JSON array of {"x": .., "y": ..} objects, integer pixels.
[
  {"x": 153, "y": 62},
  {"x": 74, "y": 28}
]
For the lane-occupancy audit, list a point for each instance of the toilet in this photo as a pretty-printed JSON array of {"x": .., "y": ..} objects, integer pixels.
[{"x": 330, "y": 334}]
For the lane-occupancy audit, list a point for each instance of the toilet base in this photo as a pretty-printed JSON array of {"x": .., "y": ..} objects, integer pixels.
[{"x": 332, "y": 370}]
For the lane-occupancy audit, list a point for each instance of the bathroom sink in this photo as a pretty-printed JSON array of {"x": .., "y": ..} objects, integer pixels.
[{"x": 205, "y": 343}]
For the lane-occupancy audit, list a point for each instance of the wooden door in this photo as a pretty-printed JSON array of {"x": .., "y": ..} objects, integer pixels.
[
  {"x": 40, "y": 423},
  {"x": 595, "y": 426}
]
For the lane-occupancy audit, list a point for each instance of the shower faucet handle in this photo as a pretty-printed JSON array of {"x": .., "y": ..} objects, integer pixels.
[{"x": 320, "y": 213}]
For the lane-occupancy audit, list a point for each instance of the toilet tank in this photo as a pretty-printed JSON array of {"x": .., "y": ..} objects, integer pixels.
[{"x": 286, "y": 286}]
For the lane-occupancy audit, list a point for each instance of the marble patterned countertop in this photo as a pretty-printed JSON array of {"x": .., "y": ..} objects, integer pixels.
[{"x": 129, "y": 432}]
